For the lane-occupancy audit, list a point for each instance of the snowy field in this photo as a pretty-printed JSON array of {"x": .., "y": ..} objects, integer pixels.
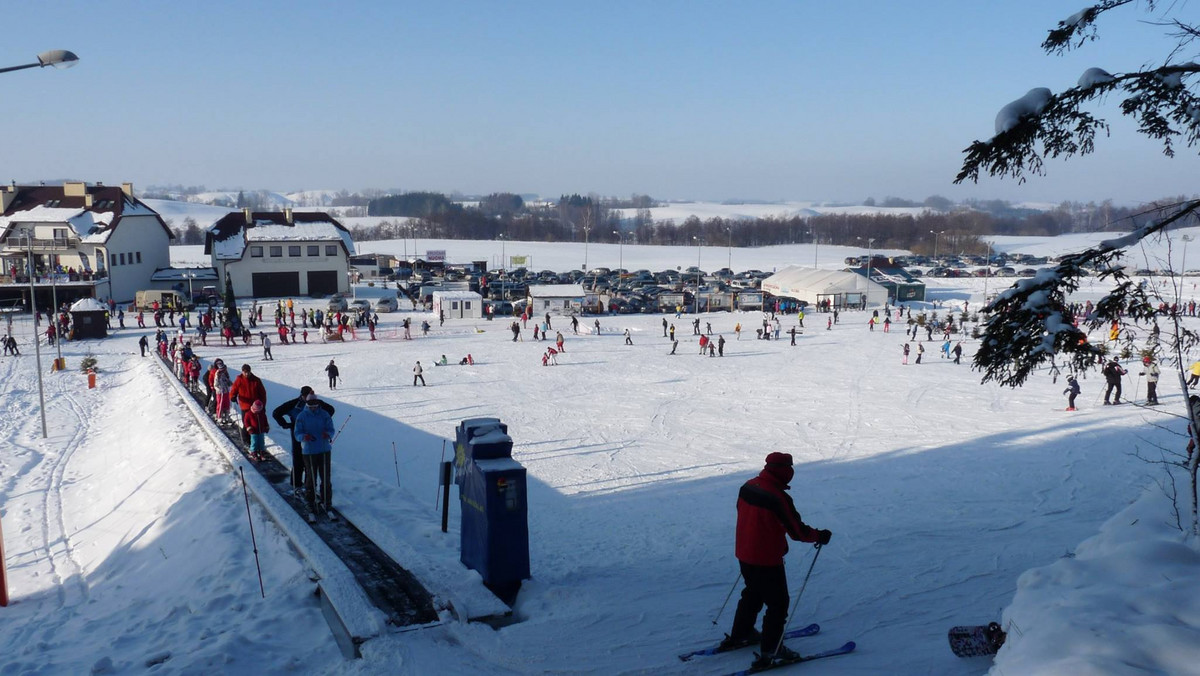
[{"x": 128, "y": 547}]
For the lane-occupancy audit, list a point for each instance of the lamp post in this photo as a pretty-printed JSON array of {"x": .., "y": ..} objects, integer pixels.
[
  {"x": 1183, "y": 269},
  {"x": 936, "y": 234},
  {"x": 586, "y": 230},
  {"x": 190, "y": 274},
  {"x": 729, "y": 263},
  {"x": 37, "y": 346},
  {"x": 987, "y": 271},
  {"x": 870, "y": 255},
  {"x": 696, "y": 296},
  {"x": 621, "y": 249},
  {"x": 59, "y": 58},
  {"x": 816, "y": 244}
]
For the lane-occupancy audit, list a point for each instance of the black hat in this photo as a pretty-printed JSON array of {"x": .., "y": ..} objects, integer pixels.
[{"x": 305, "y": 391}]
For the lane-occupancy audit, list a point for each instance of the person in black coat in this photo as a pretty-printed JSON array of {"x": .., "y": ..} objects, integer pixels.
[
  {"x": 332, "y": 372},
  {"x": 285, "y": 416}
]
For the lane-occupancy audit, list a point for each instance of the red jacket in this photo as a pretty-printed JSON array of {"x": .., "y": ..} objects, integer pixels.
[
  {"x": 766, "y": 517},
  {"x": 247, "y": 389},
  {"x": 256, "y": 423}
]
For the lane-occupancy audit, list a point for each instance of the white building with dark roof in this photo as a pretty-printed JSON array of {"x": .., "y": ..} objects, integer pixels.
[
  {"x": 281, "y": 254},
  {"x": 86, "y": 241}
]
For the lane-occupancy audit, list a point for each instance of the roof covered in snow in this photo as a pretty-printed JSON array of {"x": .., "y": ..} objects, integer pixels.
[
  {"x": 556, "y": 291},
  {"x": 804, "y": 283},
  {"x": 92, "y": 212},
  {"x": 227, "y": 238},
  {"x": 88, "y": 305}
]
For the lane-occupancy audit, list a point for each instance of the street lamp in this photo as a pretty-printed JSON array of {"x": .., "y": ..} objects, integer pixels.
[
  {"x": 816, "y": 243},
  {"x": 59, "y": 58},
  {"x": 586, "y": 230},
  {"x": 696, "y": 296},
  {"x": 729, "y": 264},
  {"x": 621, "y": 248},
  {"x": 1183, "y": 270},
  {"x": 987, "y": 271},
  {"x": 190, "y": 274},
  {"x": 870, "y": 255},
  {"x": 936, "y": 234},
  {"x": 37, "y": 346}
]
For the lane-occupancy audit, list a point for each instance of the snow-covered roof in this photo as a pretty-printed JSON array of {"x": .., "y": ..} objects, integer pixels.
[
  {"x": 93, "y": 212},
  {"x": 87, "y": 305},
  {"x": 456, "y": 295},
  {"x": 227, "y": 238},
  {"x": 202, "y": 275},
  {"x": 556, "y": 291},
  {"x": 807, "y": 283}
]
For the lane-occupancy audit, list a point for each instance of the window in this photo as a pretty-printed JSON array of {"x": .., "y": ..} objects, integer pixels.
[
  {"x": 256, "y": 252},
  {"x": 122, "y": 259},
  {"x": 138, "y": 254},
  {"x": 276, "y": 252},
  {"x": 60, "y": 236},
  {"x": 466, "y": 305},
  {"x": 293, "y": 250},
  {"x": 112, "y": 259},
  {"x": 330, "y": 249},
  {"x": 314, "y": 250}
]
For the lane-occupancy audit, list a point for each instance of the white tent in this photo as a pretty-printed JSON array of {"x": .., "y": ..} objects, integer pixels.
[{"x": 842, "y": 289}]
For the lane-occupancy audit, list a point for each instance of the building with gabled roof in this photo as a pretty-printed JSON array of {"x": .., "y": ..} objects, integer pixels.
[
  {"x": 84, "y": 241},
  {"x": 276, "y": 254}
]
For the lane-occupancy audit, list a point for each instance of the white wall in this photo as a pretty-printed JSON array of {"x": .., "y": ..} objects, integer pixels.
[
  {"x": 241, "y": 272},
  {"x": 135, "y": 234}
]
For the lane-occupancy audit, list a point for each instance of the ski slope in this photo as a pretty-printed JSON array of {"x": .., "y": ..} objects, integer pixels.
[{"x": 128, "y": 546}]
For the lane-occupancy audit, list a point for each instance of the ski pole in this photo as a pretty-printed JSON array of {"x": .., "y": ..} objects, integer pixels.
[
  {"x": 397, "y": 462},
  {"x": 339, "y": 432},
  {"x": 727, "y": 597},
  {"x": 253, "y": 541},
  {"x": 797, "y": 603},
  {"x": 438, "y": 497}
]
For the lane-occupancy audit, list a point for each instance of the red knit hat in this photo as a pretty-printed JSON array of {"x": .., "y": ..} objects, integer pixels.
[{"x": 777, "y": 458}]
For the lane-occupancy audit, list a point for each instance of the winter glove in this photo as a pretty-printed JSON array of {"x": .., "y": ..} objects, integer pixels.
[
  {"x": 286, "y": 425},
  {"x": 823, "y": 536}
]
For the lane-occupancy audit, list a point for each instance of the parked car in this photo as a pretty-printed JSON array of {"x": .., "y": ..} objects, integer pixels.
[
  {"x": 386, "y": 304},
  {"x": 360, "y": 304},
  {"x": 337, "y": 303}
]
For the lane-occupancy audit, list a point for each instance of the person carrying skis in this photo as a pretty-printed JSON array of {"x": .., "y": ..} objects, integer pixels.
[
  {"x": 1072, "y": 391},
  {"x": 1112, "y": 375},
  {"x": 1152, "y": 373},
  {"x": 766, "y": 517}
]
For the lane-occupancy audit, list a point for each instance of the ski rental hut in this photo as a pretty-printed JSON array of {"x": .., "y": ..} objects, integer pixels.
[
  {"x": 842, "y": 289},
  {"x": 458, "y": 304},
  {"x": 88, "y": 319},
  {"x": 556, "y": 299}
]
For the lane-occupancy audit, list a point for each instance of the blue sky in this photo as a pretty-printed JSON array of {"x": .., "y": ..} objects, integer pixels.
[{"x": 680, "y": 100}]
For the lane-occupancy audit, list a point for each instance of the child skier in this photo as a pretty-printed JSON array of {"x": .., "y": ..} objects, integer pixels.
[{"x": 1072, "y": 391}]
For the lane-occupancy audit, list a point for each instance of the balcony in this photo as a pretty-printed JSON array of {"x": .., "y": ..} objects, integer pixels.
[{"x": 19, "y": 244}]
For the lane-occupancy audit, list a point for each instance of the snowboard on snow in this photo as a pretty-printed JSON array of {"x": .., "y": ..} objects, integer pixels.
[{"x": 977, "y": 641}]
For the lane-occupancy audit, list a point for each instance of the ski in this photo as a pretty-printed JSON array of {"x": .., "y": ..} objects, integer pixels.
[
  {"x": 810, "y": 630},
  {"x": 845, "y": 649}
]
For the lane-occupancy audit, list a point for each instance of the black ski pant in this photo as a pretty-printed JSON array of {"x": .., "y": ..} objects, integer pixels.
[
  {"x": 1111, "y": 386},
  {"x": 316, "y": 481},
  {"x": 1071, "y": 400},
  {"x": 1151, "y": 392},
  {"x": 299, "y": 467},
  {"x": 765, "y": 585}
]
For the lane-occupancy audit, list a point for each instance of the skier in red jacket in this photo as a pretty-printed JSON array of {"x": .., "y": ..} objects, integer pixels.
[{"x": 766, "y": 517}]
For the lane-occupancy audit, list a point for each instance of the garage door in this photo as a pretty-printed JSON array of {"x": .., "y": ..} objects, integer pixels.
[
  {"x": 276, "y": 284},
  {"x": 322, "y": 282}
]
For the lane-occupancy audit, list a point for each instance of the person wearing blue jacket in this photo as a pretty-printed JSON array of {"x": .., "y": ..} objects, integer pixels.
[{"x": 314, "y": 428}]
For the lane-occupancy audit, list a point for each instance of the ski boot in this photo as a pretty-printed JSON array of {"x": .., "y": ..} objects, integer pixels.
[{"x": 784, "y": 654}]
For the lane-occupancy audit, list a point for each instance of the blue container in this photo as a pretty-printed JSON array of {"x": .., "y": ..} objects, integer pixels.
[
  {"x": 467, "y": 430},
  {"x": 495, "y": 513}
]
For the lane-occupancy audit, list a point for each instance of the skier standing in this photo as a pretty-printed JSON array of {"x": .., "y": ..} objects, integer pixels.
[
  {"x": 314, "y": 428},
  {"x": 256, "y": 426},
  {"x": 904, "y": 359},
  {"x": 1072, "y": 391},
  {"x": 1152, "y": 373},
  {"x": 246, "y": 390},
  {"x": 1112, "y": 375},
  {"x": 920, "y": 351},
  {"x": 332, "y": 371},
  {"x": 285, "y": 416},
  {"x": 418, "y": 375},
  {"x": 766, "y": 517},
  {"x": 957, "y": 352}
]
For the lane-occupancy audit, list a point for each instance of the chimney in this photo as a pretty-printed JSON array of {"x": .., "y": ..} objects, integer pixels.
[
  {"x": 74, "y": 189},
  {"x": 88, "y": 200},
  {"x": 287, "y": 215},
  {"x": 246, "y": 214},
  {"x": 7, "y": 196},
  {"x": 127, "y": 188}
]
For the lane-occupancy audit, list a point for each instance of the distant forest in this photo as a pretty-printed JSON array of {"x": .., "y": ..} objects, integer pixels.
[{"x": 572, "y": 218}]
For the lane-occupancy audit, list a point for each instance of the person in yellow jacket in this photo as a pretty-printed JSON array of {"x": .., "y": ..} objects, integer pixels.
[{"x": 1194, "y": 378}]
